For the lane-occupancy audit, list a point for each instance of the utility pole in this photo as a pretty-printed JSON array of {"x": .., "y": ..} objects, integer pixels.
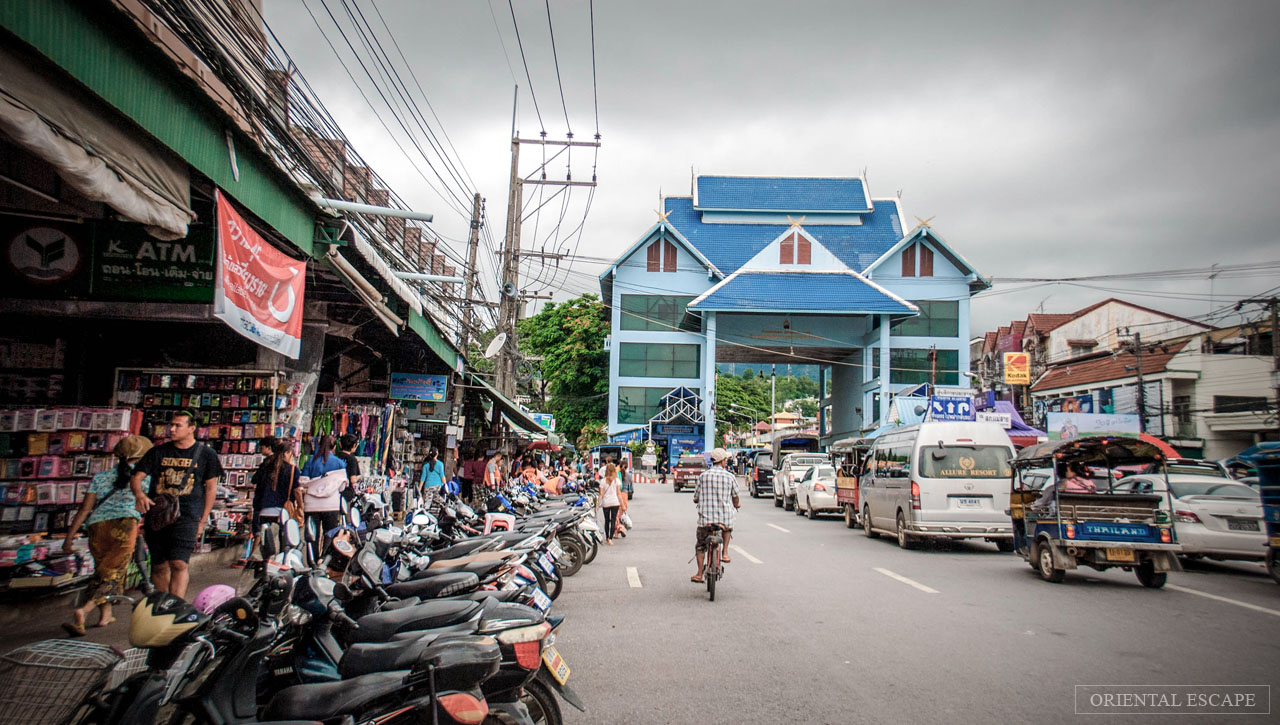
[
  {"x": 468, "y": 324},
  {"x": 512, "y": 299},
  {"x": 1273, "y": 303},
  {"x": 773, "y": 399},
  {"x": 1136, "y": 348}
]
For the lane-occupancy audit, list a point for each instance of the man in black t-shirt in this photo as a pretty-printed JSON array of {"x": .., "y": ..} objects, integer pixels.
[
  {"x": 168, "y": 464},
  {"x": 347, "y": 452}
]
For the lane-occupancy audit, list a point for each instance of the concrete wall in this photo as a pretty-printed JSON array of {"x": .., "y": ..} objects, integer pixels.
[{"x": 1100, "y": 325}]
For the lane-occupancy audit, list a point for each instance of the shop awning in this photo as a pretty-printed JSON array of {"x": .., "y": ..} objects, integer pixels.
[
  {"x": 99, "y": 157},
  {"x": 514, "y": 413}
]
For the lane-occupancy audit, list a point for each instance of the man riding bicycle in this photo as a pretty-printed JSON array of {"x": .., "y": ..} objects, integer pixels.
[{"x": 716, "y": 496}]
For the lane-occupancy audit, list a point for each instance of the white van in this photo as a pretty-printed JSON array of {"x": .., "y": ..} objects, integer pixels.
[{"x": 948, "y": 480}]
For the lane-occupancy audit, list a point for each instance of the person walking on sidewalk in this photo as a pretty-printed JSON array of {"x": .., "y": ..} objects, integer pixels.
[
  {"x": 112, "y": 516},
  {"x": 610, "y": 500},
  {"x": 184, "y": 484},
  {"x": 432, "y": 470},
  {"x": 322, "y": 480},
  {"x": 275, "y": 485}
]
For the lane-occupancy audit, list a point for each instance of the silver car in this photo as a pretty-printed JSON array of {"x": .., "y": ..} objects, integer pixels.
[
  {"x": 793, "y": 468},
  {"x": 816, "y": 492},
  {"x": 1213, "y": 517}
]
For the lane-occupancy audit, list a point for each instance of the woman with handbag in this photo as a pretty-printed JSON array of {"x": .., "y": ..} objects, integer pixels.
[
  {"x": 610, "y": 501},
  {"x": 112, "y": 515},
  {"x": 275, "y": 488},
  {"x": 322, "y": 480}
]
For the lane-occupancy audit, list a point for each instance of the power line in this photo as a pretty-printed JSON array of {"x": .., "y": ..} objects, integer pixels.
[
  {"x": 555, "y": 57},
  {"x": 520, "y": 44}
]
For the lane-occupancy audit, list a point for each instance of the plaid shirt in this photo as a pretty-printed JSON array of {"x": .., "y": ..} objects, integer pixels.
[{"x": 716, "y": 489}]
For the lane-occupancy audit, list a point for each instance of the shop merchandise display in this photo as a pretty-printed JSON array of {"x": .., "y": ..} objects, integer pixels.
[
  {"x": 234, "y": 410},
  {"x": 48, "y": 456}
]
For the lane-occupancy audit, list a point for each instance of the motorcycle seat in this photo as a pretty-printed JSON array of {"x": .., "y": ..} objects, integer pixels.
[
  {"x": 365, "y": 658},
  {"x": 463, "y": 548},
  {"x": 380, "y": 626},
  {"x": 503, "y": 595},
  {"x": 442, "y": 585},
  {"x": 481, "y": 568},
  {"x": 332, "y": 699}
]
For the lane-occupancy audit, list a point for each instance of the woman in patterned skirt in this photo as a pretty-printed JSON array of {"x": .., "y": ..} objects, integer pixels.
[{"x": 112, "y": 515}]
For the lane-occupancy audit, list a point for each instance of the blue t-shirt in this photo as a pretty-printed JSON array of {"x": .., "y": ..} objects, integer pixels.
[
  {"x": 433, "y": 475},
  {"x": 316, "y": 467}
]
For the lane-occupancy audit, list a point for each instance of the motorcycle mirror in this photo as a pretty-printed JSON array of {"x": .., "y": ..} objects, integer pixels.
[
  {"x": 267, "y": 542},
  {"x": 344, "y": 546},
  {"x": 344, "y": 505},
  {"x": 295, "y": 561},
  {"x": 292, "y": 533},
  {"x": 313, "y": 530},
  {"x": 342, "y": 593},
  {"x": 353, "y": 518},
  {"x": 421, "y": 519}
]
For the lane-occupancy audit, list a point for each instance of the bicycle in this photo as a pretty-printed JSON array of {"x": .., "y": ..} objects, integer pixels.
[{"x": 715, "y": 567}]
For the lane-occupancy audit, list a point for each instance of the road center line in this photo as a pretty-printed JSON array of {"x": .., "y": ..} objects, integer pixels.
[
  {"x": 779, "y": 528},
  {"x": 1206, "y": 595},
  {"x": 743, "y": 551},
  {"x": 909, "y": 582},
  {"x": 633, "y": 578}
]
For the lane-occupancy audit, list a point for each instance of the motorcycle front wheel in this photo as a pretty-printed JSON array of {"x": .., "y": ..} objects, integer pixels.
[{"x": 544, "y": 706}]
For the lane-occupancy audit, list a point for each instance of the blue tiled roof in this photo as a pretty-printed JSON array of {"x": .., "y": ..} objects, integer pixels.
[
  {"x": 781, "y": 194},
  {"x": 799, "y": 292},
  {"x": 729, "y": 246}
]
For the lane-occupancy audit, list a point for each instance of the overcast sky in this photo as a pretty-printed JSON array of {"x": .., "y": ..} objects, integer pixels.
[{"x": 1044, "y": 139}]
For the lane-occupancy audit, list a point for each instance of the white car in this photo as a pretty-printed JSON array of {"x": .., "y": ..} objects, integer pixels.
[
  {"x": 816, "y": 492},
  {"x": 1213, "y": 517},
  {"x": 785, "y": 477}
]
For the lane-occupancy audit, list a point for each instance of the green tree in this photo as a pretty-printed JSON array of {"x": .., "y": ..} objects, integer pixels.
[
  {"x": 741, "y": 402},
  {"x": 569, "y": 339}
]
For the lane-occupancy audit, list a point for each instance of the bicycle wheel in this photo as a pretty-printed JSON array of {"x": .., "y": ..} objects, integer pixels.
[{"x": 713, "y": 568}]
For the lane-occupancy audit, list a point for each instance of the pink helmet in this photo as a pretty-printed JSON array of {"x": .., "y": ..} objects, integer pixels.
[{"x": 212, "y": 597}]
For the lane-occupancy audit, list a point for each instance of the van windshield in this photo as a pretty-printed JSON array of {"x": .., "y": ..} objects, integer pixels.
[{"x": 964, "y": 462}]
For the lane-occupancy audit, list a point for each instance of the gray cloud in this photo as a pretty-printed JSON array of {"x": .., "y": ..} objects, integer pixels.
[{"x": 1046, "y": 138}]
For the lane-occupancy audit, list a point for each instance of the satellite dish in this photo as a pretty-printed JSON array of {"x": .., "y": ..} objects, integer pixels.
[{"x": 496, "y": 345}]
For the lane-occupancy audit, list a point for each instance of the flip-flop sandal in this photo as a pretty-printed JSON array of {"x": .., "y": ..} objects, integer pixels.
[
  {"x": 695, "y": 579},
  {"x": 107, "y": 623},
  {"x": 72, "y": 629},
  {"x": 724, "y": 560}
]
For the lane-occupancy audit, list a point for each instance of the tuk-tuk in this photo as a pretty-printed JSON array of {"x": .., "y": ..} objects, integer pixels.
[
  {"x": 1267, "y": 463},
  {"x": 849, "y": 456},
  {"x": 1060, "y": 527}
]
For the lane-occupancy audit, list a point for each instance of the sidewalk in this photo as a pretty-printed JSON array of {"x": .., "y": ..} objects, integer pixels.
[{"x": 42, "y": 619}]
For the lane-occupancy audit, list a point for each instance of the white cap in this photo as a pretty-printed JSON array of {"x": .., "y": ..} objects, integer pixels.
[{"x": 719, "y": 454}]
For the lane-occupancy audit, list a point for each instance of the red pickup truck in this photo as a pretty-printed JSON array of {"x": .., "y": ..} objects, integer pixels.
[{"x": 686, "y": 472}]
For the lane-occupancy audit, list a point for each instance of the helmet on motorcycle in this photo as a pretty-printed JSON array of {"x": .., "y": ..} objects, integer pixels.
[
  {"x": 159, "y": 619},
  {"x": 213, "y": 597}
]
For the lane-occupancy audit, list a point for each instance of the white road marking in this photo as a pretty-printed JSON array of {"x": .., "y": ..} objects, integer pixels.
[
  {"x": 1206, "y": 595},
  {"x": 633, "y": 578},
  {"x": 743, "y": 551},
  {"x": 779, "y": 528},
  {"x": 904, "y": 580}
]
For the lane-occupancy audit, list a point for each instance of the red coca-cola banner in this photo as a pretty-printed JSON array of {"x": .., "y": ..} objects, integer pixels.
[{"x": 258, "y": 290}]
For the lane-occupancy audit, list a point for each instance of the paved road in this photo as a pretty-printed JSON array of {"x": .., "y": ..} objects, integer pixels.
[{"x": 833, "y": 627}]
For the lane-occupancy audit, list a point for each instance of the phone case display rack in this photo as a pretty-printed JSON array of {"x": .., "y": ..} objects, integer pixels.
[
  {"x": 234, "y": 411},
  {"x": 48, "y": 456}
]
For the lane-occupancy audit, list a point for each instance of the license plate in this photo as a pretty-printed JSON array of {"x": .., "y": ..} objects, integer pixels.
[
  {"x": 556, "y": 665},
  {"x": 545, "y": 563},
  {"x": 968, "y": 503},
  {"x": 541, "y": 600},
  {"x": 556, "y": 550},
  {"x": 1242, "y": 525},
  {"x": 1120, "y": 554}
]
